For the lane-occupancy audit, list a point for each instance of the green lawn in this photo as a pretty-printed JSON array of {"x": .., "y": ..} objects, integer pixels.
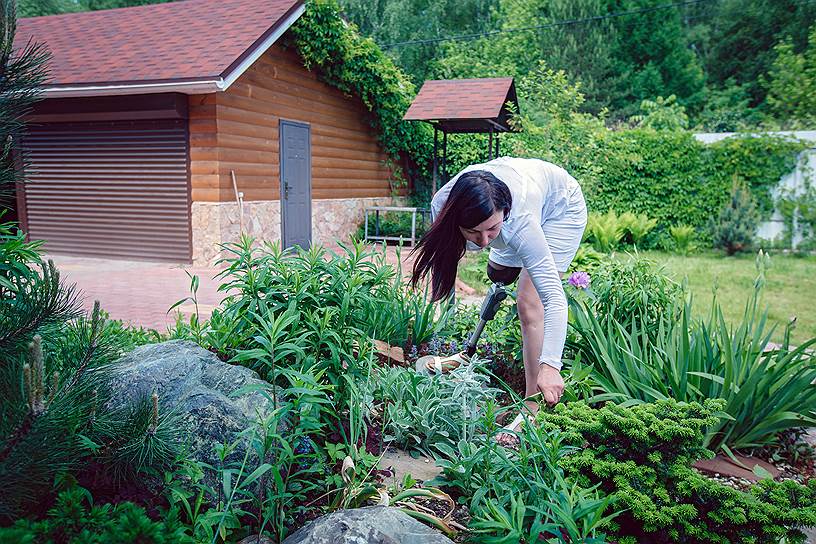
[{"x": 790, "y": 289}]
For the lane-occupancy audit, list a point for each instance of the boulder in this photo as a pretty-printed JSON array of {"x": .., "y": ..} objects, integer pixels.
[
  {"x": 195, "y": 384},
  {"x": 369, "y": 525}
]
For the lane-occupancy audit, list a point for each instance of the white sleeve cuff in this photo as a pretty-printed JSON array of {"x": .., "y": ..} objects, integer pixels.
[{"x": 555, "y": 364}]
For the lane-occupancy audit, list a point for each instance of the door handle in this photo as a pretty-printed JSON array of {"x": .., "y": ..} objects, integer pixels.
[{"x": 286, "y": 190}]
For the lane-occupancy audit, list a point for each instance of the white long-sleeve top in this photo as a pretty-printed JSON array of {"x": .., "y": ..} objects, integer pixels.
[{"x": 541, "y": 194}]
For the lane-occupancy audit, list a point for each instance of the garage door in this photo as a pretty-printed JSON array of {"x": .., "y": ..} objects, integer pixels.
[{"x": 110, "y": 189}]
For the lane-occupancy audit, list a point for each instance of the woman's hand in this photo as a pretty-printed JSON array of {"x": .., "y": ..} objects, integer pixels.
[{"x": 550, "y": 383}]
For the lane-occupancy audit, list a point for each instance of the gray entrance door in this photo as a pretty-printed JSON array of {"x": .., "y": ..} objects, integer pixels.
[{"x": 296, "y": 184}]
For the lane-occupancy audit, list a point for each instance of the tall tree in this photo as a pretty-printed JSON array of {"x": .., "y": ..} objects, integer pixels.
[
  {"x": 652, "y": 56},
  {"x": 791, "y": 82},
  {"x": 743, "y": 35},
  {"x": 581, "y": 50},
  {"x": 393, "y": 21}
]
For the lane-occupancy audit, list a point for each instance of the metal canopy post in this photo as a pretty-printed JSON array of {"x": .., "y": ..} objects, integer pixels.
[
  {"x": 435, "y": 160},
  {"x": 445, "y": 155},
  {"x": 490, "y": 145},
  {"x": 497, "y": 146}
]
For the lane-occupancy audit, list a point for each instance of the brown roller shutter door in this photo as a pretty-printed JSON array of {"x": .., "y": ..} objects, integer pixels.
[{"x": 110, "y": 189}]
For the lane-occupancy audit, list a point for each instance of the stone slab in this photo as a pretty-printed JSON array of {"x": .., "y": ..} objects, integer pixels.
[
  {"x": 400, "y": 463},
  {"x": 723, "y": 465}
]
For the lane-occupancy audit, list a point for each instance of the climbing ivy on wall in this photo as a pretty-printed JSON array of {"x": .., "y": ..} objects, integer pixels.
[{"x": 357, "y": 66}]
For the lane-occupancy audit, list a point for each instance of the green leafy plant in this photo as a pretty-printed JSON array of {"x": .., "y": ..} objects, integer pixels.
[
  {"x": 766, "y": 389},
  {"x": 636, "y": 227},
  {"x": 522, "y": 495},
  {"x": 586, "y": 259},
  {"x": 54, "y": 382},
  {"x": 421, "y": 412},
  {"x": 358, "y": 490},
  {"x": 267, "y": 487},
  {"x": 798, "y": 210},
  {"x": 17, "y": 259},
  {"x": 633, "y": 290},
  {"x": 24, "y": 68},
  {"x": 605, "y": 231},
  {"x": 682, "y": 238},
  {"x": 661, "y": 114}
]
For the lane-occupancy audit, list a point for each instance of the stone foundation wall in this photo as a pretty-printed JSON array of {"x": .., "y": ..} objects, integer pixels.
[
  {"x": 337, "y": 218},
  {"x": 333, "y": 219}
]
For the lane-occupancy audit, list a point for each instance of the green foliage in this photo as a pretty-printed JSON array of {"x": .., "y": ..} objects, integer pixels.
[
  {"x": 54, "y": 376},
  {"x": 282, "y": 306},
  {"x": 604, "y": 230},
  {"x": 75, "y": 519},
  {"x": 682, "y": 237},
  {"x": 633, "y": 290},
  {"x": 798, "y": 210},
  {"x": 586, "y": 259},
  {"x": 636, "y": 227},
  {"x": 738, "y": 46},
  {"x": 791, "y": 82},
  {"x": 270, "y": 485},
  {"x": 501, "y": 337},
  {"x": 394, "y": 21},
  {"x": 516, "y": 496},
  {"x": 311, "y": 310},
  {"x": 54, "y": 395},
  {"x": 728, "y": 109},
  {"x": 17, "y": 258},
  {"x": 661, "y": 114},
  {"x": 642, "y": 454},
  {"x": 733, "y": 230},
  {"x": 766, "y": 390},
  {"x": 355, "y": 65},
  {"x": 423, "y": 411},
  {"x": 23, "y": 72}
]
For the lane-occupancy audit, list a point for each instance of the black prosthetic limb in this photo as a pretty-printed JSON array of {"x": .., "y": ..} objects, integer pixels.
[{"x": 501, "y": 276}]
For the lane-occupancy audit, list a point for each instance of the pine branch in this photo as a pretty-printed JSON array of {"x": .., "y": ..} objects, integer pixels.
[
  {"x": 46, "y": 301},
  {"x": 22, "y": 75}
]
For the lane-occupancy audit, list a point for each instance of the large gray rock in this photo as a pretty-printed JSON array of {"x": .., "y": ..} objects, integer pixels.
[
  {"x": 195, "y": 384},
  {"x": 369, "y": 525}
]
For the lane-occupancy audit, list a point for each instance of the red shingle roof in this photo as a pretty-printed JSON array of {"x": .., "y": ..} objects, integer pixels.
[
  {"x": 461, "y": 99},
  {"x": 179, "y": 41}
]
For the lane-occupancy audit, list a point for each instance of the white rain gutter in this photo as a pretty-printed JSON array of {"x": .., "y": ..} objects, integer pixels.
[{"x": 203, "y": 86}]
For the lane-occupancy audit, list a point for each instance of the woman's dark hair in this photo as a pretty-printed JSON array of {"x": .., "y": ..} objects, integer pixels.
[{"x": 475, "y": 196}]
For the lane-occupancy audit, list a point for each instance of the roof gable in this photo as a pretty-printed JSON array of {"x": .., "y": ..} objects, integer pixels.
[
  {"x": 186, "y": 41},
  {"x": 464, "y": 105}
]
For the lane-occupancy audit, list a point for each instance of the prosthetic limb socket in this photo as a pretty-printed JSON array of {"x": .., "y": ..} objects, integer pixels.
[{"x": 501, "y": 276}]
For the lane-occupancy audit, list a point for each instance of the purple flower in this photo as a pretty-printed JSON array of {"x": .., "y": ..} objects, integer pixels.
[{"x": 579, "y": 279}]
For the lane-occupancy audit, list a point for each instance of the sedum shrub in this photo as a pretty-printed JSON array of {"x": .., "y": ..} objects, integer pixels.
[{"x": 643, "y": 454}]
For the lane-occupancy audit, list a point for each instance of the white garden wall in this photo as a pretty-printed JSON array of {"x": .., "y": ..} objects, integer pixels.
[{"x": 794, "y": 181}]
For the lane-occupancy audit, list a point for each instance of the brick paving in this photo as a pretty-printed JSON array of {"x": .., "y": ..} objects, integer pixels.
[{"x": 140, "y": 293}]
